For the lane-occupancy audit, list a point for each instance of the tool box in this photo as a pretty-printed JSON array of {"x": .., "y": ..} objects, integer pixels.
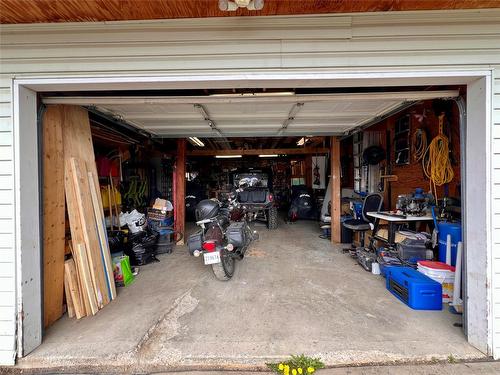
[{"x": 413, "y": 288}]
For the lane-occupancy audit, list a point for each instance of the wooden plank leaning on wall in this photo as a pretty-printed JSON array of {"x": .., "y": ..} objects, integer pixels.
[
  {"x": 53, "y": 216},
  {"x": 336, "y": 193}
]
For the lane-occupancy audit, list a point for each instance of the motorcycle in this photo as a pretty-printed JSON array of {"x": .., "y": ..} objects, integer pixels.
[{"x": 224, "y": 235}]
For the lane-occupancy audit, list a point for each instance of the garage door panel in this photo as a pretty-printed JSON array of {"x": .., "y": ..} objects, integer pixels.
[{"x": 236, "y": 116}]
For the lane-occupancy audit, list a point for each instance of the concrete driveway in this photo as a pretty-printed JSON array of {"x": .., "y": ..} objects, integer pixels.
[{"x": 294, "y": 293}]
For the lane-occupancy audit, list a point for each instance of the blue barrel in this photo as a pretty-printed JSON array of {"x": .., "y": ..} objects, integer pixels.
[{"x": 455, "y": 231}]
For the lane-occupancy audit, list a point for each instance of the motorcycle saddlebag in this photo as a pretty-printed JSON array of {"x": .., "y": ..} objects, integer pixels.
[
  {"x": 195, "y": 241},
  {"x": 235, "y": 234}
]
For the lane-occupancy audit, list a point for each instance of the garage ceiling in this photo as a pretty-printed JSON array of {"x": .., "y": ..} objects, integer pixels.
[{"x": 264, "y": 115}]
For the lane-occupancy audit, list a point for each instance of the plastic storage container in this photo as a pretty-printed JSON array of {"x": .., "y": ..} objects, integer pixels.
[
  {"x": 455, "y": 231},
  {"x": 414, "y": 288},
  {"x": 412, "y": 249},
  {"x": 442, "y": 273}
]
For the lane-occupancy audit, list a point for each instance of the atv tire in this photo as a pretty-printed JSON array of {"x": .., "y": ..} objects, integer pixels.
[{"x": 272, "y": 218}]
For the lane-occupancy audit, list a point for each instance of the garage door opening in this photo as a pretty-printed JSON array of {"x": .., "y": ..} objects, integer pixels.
[{"x": 293, "y": 273}]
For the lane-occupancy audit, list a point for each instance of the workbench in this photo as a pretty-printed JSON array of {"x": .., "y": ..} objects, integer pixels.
[{"x": 394, "y": 221}]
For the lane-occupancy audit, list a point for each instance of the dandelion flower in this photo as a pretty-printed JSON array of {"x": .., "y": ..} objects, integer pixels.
[
  {"x": 294, "y": 372},
  {"x": 299, "y": 370},
  {"x": 310, "y": 370},
  {"x": 281, "y": 367}
]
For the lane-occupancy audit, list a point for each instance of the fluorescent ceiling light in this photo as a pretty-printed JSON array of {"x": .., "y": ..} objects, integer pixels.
[
  {"x": 228, "y": 156},
  {"x": 269, "y": 156},
  {"x": 196, "y": 142}
]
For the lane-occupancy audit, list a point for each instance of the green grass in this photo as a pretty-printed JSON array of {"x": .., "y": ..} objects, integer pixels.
[{"x": 296, "y": 362}]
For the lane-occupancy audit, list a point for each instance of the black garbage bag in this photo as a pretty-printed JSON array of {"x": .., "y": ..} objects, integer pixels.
[
  {"x": 116, "y": 240},
  {"x": 142, "y": 248}
]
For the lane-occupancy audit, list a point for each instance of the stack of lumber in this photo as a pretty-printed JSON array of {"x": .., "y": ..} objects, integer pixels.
[{"x": 88, "y": 275}]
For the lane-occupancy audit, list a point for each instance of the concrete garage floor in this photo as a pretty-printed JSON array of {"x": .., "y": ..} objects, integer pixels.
[{"x": 294, "y": 293}]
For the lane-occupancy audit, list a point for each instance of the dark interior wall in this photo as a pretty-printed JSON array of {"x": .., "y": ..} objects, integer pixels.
[
  {"x": 346, "y": 160},
  {"x": 411, "y": 176}
]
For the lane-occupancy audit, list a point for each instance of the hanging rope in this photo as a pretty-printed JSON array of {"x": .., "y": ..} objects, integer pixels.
[
  {"x": 436, "y": 161},
  {"x": 419, "y": 144}
]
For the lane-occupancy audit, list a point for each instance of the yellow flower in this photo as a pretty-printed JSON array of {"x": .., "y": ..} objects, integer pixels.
[
  {"x": 287, "y": 371},
  {"x": 281, "y": 367},
  {"x": 310, "y": 370},
  {"x": 294, "y": 372},
  {"x": 299, "y": 370}
]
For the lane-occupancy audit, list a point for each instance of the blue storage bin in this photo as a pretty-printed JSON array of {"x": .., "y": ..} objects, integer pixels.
[{"x": 414, "y": 288}]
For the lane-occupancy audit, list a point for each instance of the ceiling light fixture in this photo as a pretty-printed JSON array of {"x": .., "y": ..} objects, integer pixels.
[
  {"x": 228, "y": 156},
  {"x": 232, "y": 5},
  {"x": 269, "y": 156},
  {"x": 195, "y": 141},
  {"x": 302, "y": 141}
]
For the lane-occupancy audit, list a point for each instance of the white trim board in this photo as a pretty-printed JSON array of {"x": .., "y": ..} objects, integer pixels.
[{"x": 269, "y": 79}]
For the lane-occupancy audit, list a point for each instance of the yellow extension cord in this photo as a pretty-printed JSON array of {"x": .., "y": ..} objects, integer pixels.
[{"x": 436, "y": 161}]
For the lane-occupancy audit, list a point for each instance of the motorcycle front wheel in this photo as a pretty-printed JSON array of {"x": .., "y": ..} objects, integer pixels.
[{"x": 225, "y": 269}]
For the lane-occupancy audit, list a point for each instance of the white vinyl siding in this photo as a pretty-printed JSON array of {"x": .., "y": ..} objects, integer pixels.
[
  {"x": 7, "y": 248},
  {"x": 394, "y": 41},
  {"x": 496, "y": 211},
  {"x": 369, "y": 40}
]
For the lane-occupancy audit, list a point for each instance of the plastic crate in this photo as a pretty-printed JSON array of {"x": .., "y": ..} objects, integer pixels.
[{"x": 414, "y": 288}]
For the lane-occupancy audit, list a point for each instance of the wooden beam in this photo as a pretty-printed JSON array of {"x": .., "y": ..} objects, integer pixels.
[
  {"x": 264, "y": 151},
  {"x": 180, "y": 187},
  {"x": 335, "y": 181},
  {"x": 53, "y": 215},
  {"x": 308, "y": 171}
]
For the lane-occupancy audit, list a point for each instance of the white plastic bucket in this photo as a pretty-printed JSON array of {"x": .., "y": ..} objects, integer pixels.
[{"x": 445, "y": 277}]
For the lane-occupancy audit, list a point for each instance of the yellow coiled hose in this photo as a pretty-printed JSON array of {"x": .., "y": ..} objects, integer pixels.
[{"x": 436, "y": 161}]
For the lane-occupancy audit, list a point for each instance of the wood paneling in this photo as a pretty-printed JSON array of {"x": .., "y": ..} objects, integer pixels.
[
  {"x": 35, "y": 11},
  {"x": 53, "y": 216}
]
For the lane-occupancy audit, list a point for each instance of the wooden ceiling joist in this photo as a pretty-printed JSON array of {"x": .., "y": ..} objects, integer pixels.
[{"x": 269, "y": 151}]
